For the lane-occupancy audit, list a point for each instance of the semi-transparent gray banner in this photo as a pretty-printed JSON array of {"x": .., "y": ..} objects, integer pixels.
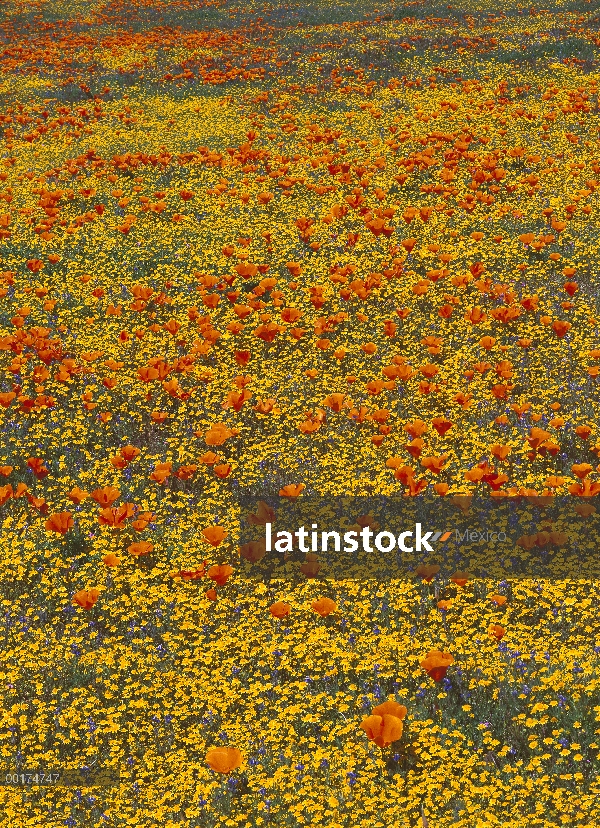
[{"x": 394, "y": 537}]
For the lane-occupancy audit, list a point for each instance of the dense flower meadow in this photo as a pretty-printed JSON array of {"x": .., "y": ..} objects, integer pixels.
[{"x": 293, "y": 252}]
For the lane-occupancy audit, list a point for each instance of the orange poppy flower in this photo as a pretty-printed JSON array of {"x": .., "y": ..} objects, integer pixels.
[
  {"x": 236, "y": 399},
  {"x": 415, "y": 447},
  {"x": 436, "y": 664},
  {"x": 434, "y": 464},
  {"x": 247, "y": 270},
  {"x": 383, "y": 730},
  {"x": 186, "y": 472},
  {"x": 310, "y": 425},
  {"x": 334, "y": 402},
  {"x": 581, "y": 470},
  {"x": 527, "y": 238},
  {"x": 38, "y": 503},
  {"x": 416, "y": 428},
  {"x": 78, "y": 495},
  {"x": 324, "y": 606},
  {"x": 292, "y": 490},
  {"x": 162, "y": 471},
  {"x": 499, "y": 600},
  {"x": 220, "y": 573},
  {"x": 291, "y": 315},
  {"x": 583, "y": 431},
  {"x": 116, "y": 516},
  {"x": 404, "y": 474},
  {"x": 172, "y": 326},
  {"x": 487, "y": 342},
  {"x": 427, "y": 571},
  {"x": 266, "y": 406},
  {"x": 280, "y": 609},
  {"x": 390, "y": 708},
  {"x": 460, "y": 578},
  {"x": 242, "y": 357},
  {"x": 242, "y": 311},
  {"x": 501, "y": 391},
  {"x": 560, "y": 327},
  {"x": 191, "y": 574},
  {"x": 211, "y": 594},
  {"x": 224, "y": 759},
  {"x": 106, "y": 496},
  {"x": 142, "y": 521},
  {"x": 208, "y": 458},
  {"x": 311, "y": 566},
  {"x": 140, "y": 548},
  {"x": 500, "y": 451},
  {"x": 474, "y": 475},
  {"x": 267, "y": 332},
  {"x": 264, "y": 514},
  {"x": 20, "y": 490},
  {"x": 118, "y": 462},
  {"x": 37, "y": 466},
  {"x": 295, "y": 269},
  {"x": 537, "y": 436},
  {"x": 214, "y": 534},
  {"x": 496, "y": 631},
  {"x": 475, "y": 316},
  {"x": 222, "y": 470},
  {"x": 253, "y": 551},
  {"x": 588, "y": 489},
  {"x": 430, "y": 370},
  {"x": 6, "y": 398},
  {"x": 147, "y": 374},
  {"x": 585, "y": 510},
  {"x": 441, "y": 425},
  {"x": 111, "y": 559},
  {"x": 217, "y": 434},
  {"x": 60, "y": 522},
  {"x": 129, "y": 453},
  {"x": 86, "y": 598}
]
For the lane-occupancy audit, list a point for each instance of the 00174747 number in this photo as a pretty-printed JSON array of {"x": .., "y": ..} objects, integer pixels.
[
  {"x": 30, "y": 778},
  {"x": 69, "y": 778}
]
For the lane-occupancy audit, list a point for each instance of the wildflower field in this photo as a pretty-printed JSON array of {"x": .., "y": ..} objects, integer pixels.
[{"x": 254, "y": 256}]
